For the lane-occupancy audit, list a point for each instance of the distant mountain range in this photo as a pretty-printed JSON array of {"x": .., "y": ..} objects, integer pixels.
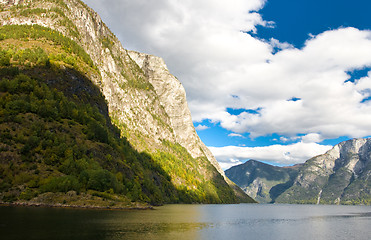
[
  {"x": 262, "y": 181},
  {"x": 340, "y": 176}
]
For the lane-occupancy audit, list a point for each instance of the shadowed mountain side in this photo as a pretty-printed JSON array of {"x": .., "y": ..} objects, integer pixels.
[
  {"x": 263, "y": 182},
  {"x": 57, "y": 135},
  {"x": 63, "y": 149},
  {"x": 143, "y": 100},
  {"x": 57, "y": 143}
]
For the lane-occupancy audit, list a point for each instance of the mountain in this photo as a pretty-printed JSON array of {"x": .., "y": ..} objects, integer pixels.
[
  {"x": 262, "y": 181},
  {"x": 340, "y": 176},
  {"x": 82, "y": 117}
]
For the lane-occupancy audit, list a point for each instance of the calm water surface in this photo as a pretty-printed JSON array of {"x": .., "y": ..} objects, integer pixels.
[{"x": 242, "y": 221}]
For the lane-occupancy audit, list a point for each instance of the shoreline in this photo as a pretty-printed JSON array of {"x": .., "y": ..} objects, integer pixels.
[
  {"x": 78, "y": 201},
  {"x": 71, "y": 206}
]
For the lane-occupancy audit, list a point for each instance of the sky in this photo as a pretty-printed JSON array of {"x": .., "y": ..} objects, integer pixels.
[{"x": 278, "y": 81}]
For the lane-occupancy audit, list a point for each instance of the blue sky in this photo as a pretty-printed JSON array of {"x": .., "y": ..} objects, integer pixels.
[
  {"x": 295, "y": 20},
  {"x": 276, "y": 81}
]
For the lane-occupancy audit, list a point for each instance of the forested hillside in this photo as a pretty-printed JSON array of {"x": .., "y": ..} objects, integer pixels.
[{"x": 61, "y": 139}]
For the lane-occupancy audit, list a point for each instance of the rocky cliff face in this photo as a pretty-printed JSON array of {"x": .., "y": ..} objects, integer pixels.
[
  {"x": 340, "y": 176},
  {"x": 131, "y": 98},
  {"x": 172, "y": 97},
  {"x": 144, "y": 100},
  {"x": 261, "y": 181}
]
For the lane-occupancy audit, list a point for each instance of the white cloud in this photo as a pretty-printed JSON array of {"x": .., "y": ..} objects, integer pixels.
[
  {"x": 312, "y": 138},
  {"x": 201, "y": 127},
  {"x": 235, "y": 135},
  {"x": 277, "y": 154},
  {"x": 284, "y": 139},
  {"x": 308, "y": 138},
  {"x": 231, "y": 163},
  {"x": 277, "y": 44},
  {"x": 316, "y": 76},
  {"x": 205, "y": 44}
]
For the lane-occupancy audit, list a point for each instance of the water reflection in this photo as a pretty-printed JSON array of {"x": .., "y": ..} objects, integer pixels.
[
  {"x": 172, "y": 222},
  {"x": 290, "y": 222},
  {"x": 244, "y": 221}
]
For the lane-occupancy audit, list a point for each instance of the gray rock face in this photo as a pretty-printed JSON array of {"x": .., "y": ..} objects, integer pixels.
[
  {"x": 340, "y": 176},
  {"x": 161, "y": 113},
  {"x": 172, "y": 97},
  {"x": 261, "y": 181}
]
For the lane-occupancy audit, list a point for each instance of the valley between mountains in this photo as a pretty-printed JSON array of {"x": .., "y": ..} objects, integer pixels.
[{"x": 85, "y": 122}]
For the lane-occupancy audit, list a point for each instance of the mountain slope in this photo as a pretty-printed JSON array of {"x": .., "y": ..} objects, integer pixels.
[
  {"x": 261, "y": 181},
  {"x": 56, "y": 134},
  {"x": 340, "y": 176},
  {"x": 134, "y": 99}
]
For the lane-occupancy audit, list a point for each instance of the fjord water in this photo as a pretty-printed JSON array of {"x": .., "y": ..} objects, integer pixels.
[{"x": 241, "y": 221}]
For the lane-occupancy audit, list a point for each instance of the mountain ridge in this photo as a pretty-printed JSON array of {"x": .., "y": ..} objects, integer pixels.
[
  {"x": 339, "y": 176},
  {"x": 260, "y": 180}
]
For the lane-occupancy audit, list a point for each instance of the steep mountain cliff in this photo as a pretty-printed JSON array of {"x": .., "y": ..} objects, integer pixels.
[
  {"x": 138, "y": 109},
  {"x": 261, "y": 181},
  {"x": 172, "y": 97},
  {"x": 340, "y": 176}
]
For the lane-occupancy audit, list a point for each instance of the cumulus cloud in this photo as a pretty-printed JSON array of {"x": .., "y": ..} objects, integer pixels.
[
  {"x": 284, "y": 139},
  {"x": 276, "y": 154},
  {"x": 201, "y": 127},
  {"x": 235, "y": 135},
  {"x": 317, "y": 77},
  {"x": 229, "y": 164},
  {"x": 312, "y": 138}
]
